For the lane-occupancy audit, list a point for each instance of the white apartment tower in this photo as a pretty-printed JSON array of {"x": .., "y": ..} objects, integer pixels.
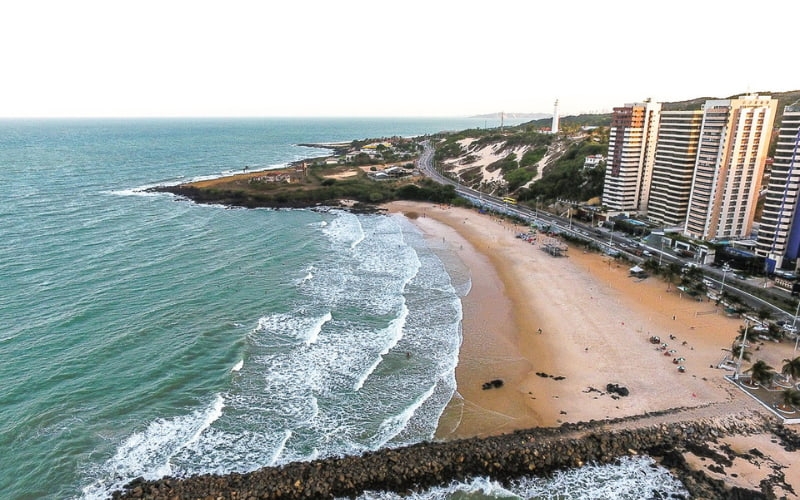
[
  {"x": 779, "y": 230},
  {"x": 631, "y": 152},
  {"x": 554, "y": 128},
  {"x": 732, "y": 151},
  {"x": 673, "y": 168}
]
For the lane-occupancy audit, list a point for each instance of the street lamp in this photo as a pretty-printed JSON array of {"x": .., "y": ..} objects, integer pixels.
[
  {"x": 725, "y": 269},
  {"x": 741, "y": 349},
  {"x": 661, "y": 255},
  {"x": 794, "y": 330},
  {"x": 611, "y": 234}
]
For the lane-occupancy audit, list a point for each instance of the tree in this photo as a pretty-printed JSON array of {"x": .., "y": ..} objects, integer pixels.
[
  {"x": 740, "y": 334},
  {"x": 736, "y": 350},
  {"x": 791, "y": 368},
  {"x": 761, "y": 372},
  {"x": 650, "y": 265},
  {"x": 670, "y": 272},
  {"x": 791, "y": 398},
  {"x": 764, "y": 314}
]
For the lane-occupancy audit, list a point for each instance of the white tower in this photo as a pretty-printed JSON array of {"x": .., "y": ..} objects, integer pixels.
[{"x": 554, "y": 128}]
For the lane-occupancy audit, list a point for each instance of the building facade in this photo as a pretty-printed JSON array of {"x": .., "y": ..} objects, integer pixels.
[
  {"x": 631, "y": 152},
  {"x": 673, "y": 168},
  {"x": 779, "y": 228},
  {"x": 731, "y": 153}
]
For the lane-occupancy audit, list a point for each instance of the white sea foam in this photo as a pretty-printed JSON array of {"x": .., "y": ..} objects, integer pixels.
[
  {"x": 316, "y": 328},
  {"x": 345, "y": 228},
  {"x": 395, "y": 424},
  {"x": 281, "y": 446},
  {"x": 214, "y": 414},
  {"x": 295, "y": 398},
  {"x": 309, "y": 275},
  {"x": 149, "y": 453},
  {"x": 238, "y": 366},
  {"x": 631, "y": 478},
  {"x": 394, "y": 333},
  {"x": 140, "y": 191},
  {"x": 360, "y": 237}
]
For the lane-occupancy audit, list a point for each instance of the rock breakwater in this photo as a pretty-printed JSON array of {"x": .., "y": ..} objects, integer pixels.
[{"x": 504, "y": 457}]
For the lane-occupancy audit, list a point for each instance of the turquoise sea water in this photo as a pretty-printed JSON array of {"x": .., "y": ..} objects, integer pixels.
[{"x": 142, "y": 335}]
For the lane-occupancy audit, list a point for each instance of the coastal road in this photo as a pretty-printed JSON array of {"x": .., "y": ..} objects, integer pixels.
[{"x": 604, "y": 238}]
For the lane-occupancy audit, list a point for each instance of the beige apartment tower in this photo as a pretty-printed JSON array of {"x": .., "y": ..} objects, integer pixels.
[
  {"x": 673, "y": 168},
  {"x": 631, "y": 151},
  {"x": 731, "y": 154}
]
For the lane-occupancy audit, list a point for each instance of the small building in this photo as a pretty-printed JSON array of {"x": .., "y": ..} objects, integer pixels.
[
  {"x": 592, "y": 161},
  {"x": 637, "y": 272}
]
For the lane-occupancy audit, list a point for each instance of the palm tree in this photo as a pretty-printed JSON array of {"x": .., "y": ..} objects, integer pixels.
[
  {"x": 791, "y": 368},
  {"x": 761, "y": 372},
  {"x": 670, "y": 272},
  {"x": 763, "y": 314},
  {"x": 740, "y": 335},
  {"x": 736, "y": 350},
  {"x": 791, "y": 398}
]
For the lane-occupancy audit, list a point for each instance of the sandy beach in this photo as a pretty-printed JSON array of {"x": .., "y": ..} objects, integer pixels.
[{"x": 595, "y": 321}]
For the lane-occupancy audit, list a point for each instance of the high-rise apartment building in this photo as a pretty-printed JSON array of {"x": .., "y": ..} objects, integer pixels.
[
  {"x": 631, "y": 151},
  {"x": 732, "y": 151},
  {"x": 779, "y": 229},
  {"x": 673, "y": 168}
]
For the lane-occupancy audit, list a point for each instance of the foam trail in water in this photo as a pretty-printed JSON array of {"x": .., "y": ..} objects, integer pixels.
[
  {"x": 396, "y": 330},
  {"x": 213, "y": 415},
  {"x": 346, "y": 228},
  {"x": 287, "y": 434},
  {"x": 309, "y": 275},
  {"x": 149, "y": 453},
  {"x": 392, "y": 426},
  {"x": 316, "y": 329},
  {"x": 361, "y": 236}
]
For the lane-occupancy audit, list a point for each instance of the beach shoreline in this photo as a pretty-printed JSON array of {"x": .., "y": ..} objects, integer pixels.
[
  {"x": 596, "y": 321},
  {"x": 593, "y": 316}
]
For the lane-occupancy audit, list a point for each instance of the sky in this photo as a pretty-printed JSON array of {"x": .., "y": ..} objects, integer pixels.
[{"x": 437, "y": 58}]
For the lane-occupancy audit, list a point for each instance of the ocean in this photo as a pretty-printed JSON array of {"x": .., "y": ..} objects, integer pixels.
[{"x": 143, "y": 335}]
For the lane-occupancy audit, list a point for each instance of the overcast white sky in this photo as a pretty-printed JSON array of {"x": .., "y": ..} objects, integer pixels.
[{"x": 379, "y": 58}]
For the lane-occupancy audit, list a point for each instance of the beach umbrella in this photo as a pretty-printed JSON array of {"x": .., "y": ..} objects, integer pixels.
[{"x": 681, "y": 368}]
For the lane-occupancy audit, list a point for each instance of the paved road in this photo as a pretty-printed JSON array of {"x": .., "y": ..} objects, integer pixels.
[{"x": 605, "y": 238}]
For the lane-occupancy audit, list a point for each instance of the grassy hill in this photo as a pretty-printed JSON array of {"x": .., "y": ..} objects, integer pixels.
[{"x": 525, "y": 162}]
